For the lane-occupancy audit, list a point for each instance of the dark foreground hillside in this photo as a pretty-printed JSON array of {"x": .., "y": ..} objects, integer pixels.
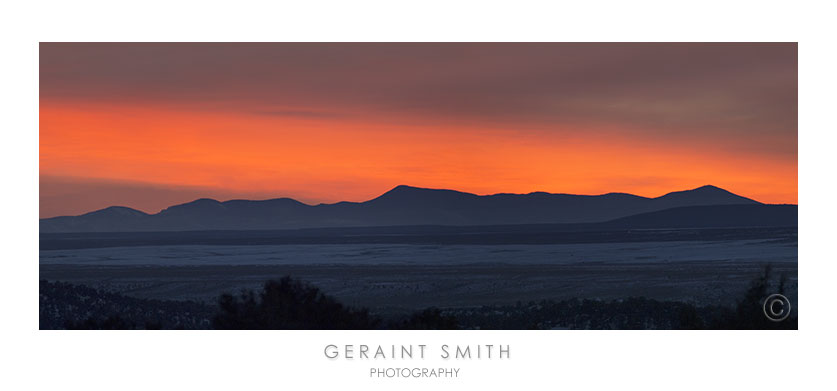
[
  {"x": 68, "y": 306},
  {"x": 292, "y": 304}
]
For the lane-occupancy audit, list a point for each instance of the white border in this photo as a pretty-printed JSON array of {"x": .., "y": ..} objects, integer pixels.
[{"x": 589, "y": 360}]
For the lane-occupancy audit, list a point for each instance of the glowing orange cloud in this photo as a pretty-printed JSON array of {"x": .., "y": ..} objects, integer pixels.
[{"x": 334, "y": 159}]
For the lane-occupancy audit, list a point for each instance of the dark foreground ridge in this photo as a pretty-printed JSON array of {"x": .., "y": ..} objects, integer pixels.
[
  {"x": 292, "y": 304},
  {"x": 401, "y": 206}
]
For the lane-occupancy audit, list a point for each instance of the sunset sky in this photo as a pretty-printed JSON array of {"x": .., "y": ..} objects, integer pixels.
[{"x": 151, "y": 125}]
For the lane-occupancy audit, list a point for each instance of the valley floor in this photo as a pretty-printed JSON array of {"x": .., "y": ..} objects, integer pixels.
[{"x": 405, "y": 277}]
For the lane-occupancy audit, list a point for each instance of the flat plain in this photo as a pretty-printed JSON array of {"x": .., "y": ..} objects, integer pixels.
[{"x": 396, "y": 277}]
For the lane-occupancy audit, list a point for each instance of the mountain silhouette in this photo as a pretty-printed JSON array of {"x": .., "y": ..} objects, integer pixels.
[
  {"x": 403, "y": 205},
  {"x": 712, "y": 216}
]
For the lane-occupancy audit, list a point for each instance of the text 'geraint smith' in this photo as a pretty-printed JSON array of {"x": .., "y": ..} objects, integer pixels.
[{"x": 407, "y": 352}]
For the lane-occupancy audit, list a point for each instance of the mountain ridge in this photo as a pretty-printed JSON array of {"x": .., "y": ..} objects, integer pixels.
[{"x": 402, "y": 205}]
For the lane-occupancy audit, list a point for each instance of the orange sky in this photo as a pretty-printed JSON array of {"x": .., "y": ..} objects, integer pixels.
[
  {"x": 327, "y": 160},
  {"x": 149, "y": 125}
]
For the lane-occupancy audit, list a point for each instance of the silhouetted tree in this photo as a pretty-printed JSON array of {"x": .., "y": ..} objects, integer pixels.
[
  {"x": 690, "y": 318},
  {"x": 749, "y": 312},
  {"x": 288, "y": 304},
  {"x": 428, "y": 319}
]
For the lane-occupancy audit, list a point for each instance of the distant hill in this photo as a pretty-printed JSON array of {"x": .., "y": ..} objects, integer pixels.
[
  {"x": 403, "y": 205},
  {"x": 713, "y": 216}
]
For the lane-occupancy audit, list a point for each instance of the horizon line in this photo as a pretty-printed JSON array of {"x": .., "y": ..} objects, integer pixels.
[{"x": 404, "y": 186}]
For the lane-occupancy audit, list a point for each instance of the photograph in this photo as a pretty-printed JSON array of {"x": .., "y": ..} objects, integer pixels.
[{"x": 418, "y": 186}]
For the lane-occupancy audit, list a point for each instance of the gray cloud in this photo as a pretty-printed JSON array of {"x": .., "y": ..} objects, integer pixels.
[{"x": 742, "y": 93}]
